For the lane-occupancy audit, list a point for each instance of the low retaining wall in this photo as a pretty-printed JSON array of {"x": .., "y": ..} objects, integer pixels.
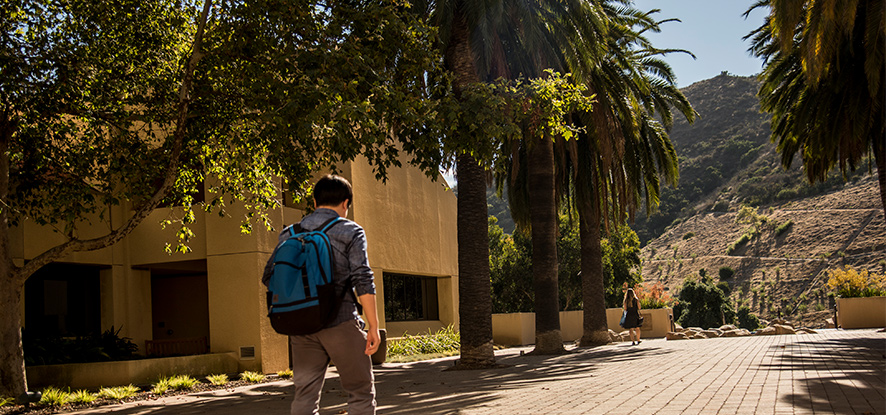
[
  {"x": 861, "y": 312},
  {"x": 143, "y": 371},
  {"x": 518, "y": 329}
]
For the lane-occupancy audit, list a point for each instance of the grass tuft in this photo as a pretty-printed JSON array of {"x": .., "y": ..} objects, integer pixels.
[
  {"x": 54, "y": 397},
  {"x": 183, "y": 382},
  {"x": 252, "y": 377},
  {"x": 82, "y": 396},
  {"x": 285, "y": 374},
  {"x": 217, "y": 379},
  {"x": 118, "y": 393}
]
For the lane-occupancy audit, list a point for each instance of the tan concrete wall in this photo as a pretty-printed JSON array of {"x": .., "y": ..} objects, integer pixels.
[
  {"x": 109, "y": 374},
  {"x": 519, "y": 328},
  {"x": 126, "y": 303},
  {"x": 410, "y": 225},
  {"x": 861, "y": 312},
  {"x": 656, "y": 321},
  {"x": 513, "y": 329},
  {"x": 413, "y": 328}
]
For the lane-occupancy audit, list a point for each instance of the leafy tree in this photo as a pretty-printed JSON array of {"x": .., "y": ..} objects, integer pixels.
[
  {"x": 127, "y": 104},
  {"x": 823, "y": 83},
  {"x": 621, "y": 263},
  {"x": 703, "y": 304},
  {"x": 510, "y": 262}
]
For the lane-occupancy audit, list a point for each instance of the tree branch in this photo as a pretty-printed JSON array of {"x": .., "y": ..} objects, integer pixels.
[{"x": 77, "y": 245}]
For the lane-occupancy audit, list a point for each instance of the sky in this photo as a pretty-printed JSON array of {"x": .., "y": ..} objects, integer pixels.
[{"x": 710, "y": 29}]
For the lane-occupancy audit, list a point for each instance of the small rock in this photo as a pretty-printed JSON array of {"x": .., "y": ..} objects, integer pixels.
[
  {"x": 732, "y": 333},
  {"x": 727, "y": 327},
  {"x": 677, "y": 335},
  {"x": 783, "y": 329},
  {"x": 766, "y": 331},
  {"x": 829, "y": 324},
  {"x": 711, "y": 333},
  {"x": 698, "y": 336}
]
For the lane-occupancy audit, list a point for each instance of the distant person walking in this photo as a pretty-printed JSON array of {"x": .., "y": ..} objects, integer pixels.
[
  {"x": 343, "y": 340},
  {"x": 631, "y": 307}
]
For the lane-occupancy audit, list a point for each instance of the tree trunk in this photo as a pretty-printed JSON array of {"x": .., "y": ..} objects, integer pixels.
[
  {"x": 474, "y": 287},
  {"x": 595, "y": 330},
  {"x": 879, "y": 145},
  {"x": 13, "y": 381},
  {"x": 12, "y": 361},
  {"x": 543, "y": 216}
]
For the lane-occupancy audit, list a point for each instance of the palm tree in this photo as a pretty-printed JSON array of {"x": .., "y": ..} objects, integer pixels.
[
  {"x": 618, "y": 161},
  {"x": 823, "y": 83}
]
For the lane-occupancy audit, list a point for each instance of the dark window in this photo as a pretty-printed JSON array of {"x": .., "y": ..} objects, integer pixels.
[
  {"x": 410, "y": 297},
  {"x": 63, "y": 300}
]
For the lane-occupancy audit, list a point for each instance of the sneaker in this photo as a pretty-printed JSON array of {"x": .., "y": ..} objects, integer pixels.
[
  {"x": 633, "y": 343},
  {"x": 638, "y": 341}
]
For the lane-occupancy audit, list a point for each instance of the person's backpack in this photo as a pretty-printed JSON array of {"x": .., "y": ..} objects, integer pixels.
[{"x": 301, "y": 290}]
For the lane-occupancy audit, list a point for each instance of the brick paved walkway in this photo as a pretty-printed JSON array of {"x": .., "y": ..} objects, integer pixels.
[{"x": 835, "y": 371}]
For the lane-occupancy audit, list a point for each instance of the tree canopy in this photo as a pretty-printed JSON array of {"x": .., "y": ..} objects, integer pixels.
[{"x": 149, "y": 102}]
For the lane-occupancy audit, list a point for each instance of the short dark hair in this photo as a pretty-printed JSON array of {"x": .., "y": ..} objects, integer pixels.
[{"x": 331, "y": 190}]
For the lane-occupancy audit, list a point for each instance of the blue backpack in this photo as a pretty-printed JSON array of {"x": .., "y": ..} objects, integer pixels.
[{"x": 301, "y": 290}]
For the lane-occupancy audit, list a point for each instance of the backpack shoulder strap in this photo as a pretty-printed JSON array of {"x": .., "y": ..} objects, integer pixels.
[{"x": 330, "y": 223}]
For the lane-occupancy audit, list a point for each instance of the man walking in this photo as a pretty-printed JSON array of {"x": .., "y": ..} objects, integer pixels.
[{"x": 343, "y": 340}]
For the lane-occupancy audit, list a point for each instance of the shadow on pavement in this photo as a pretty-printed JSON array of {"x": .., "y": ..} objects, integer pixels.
[
  {"x": 420, "y": 387},
  {"x": 850, "y": 367},
  {"x": 427, "y": 387}
]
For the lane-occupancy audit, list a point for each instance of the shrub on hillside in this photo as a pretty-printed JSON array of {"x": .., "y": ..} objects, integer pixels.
[
  {"x": 726, "y": 273},
  {"x": 783, "y": 227}
]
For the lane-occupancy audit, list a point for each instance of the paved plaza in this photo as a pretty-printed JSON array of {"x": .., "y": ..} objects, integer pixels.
[{"x": 834, "y": 371}]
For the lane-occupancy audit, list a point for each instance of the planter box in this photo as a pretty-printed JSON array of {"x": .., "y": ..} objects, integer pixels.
[
  {"x": 861, "y": 312},
  {"x": 518, "y": 329},
  {"x": 143, "y": 371}
]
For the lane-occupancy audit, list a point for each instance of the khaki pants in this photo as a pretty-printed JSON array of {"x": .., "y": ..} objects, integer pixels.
[{"x": 344, "y": 345}]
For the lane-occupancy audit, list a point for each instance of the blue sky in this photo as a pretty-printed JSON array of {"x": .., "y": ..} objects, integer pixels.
[{"x": 710, "y": 29}]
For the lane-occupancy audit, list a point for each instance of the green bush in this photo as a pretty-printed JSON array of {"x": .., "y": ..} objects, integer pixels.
[
  {"x": 746, "y": 319},
  {"x": 738, "y": 243},
  {"x": 285, "y": 374},
  {"x": 103, "y": 347},
  {"x": 726, "y": 273},
  {"x": 703, "y": 304},
  {"x": 688, "y": 235},
  {"x": 5, "y": 401},
  {"x": 445, "y": 341},
  {"x": 783, "y": 227}
]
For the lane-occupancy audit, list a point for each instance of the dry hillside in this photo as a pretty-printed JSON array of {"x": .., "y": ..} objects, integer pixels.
[{"x": 778, "y": 273}]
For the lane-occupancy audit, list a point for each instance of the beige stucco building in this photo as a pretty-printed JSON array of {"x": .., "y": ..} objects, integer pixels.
[{"x": 214, "y": 292}]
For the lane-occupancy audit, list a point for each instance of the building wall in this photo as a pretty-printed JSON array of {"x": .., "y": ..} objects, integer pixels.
[{"x": 410, "y": 227}]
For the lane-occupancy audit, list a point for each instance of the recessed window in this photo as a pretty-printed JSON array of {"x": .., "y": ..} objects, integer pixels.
[{"x": 410, "y": 297}]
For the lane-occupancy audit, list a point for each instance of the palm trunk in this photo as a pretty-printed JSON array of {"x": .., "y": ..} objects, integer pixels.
[
  {"x": 474, "y": 287},
  {"x": 13, "y": 381},
  {"x": 595, "y": 329},
  {"x": 543, "y": 215},
  {"x": 880, "y": 158}
]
